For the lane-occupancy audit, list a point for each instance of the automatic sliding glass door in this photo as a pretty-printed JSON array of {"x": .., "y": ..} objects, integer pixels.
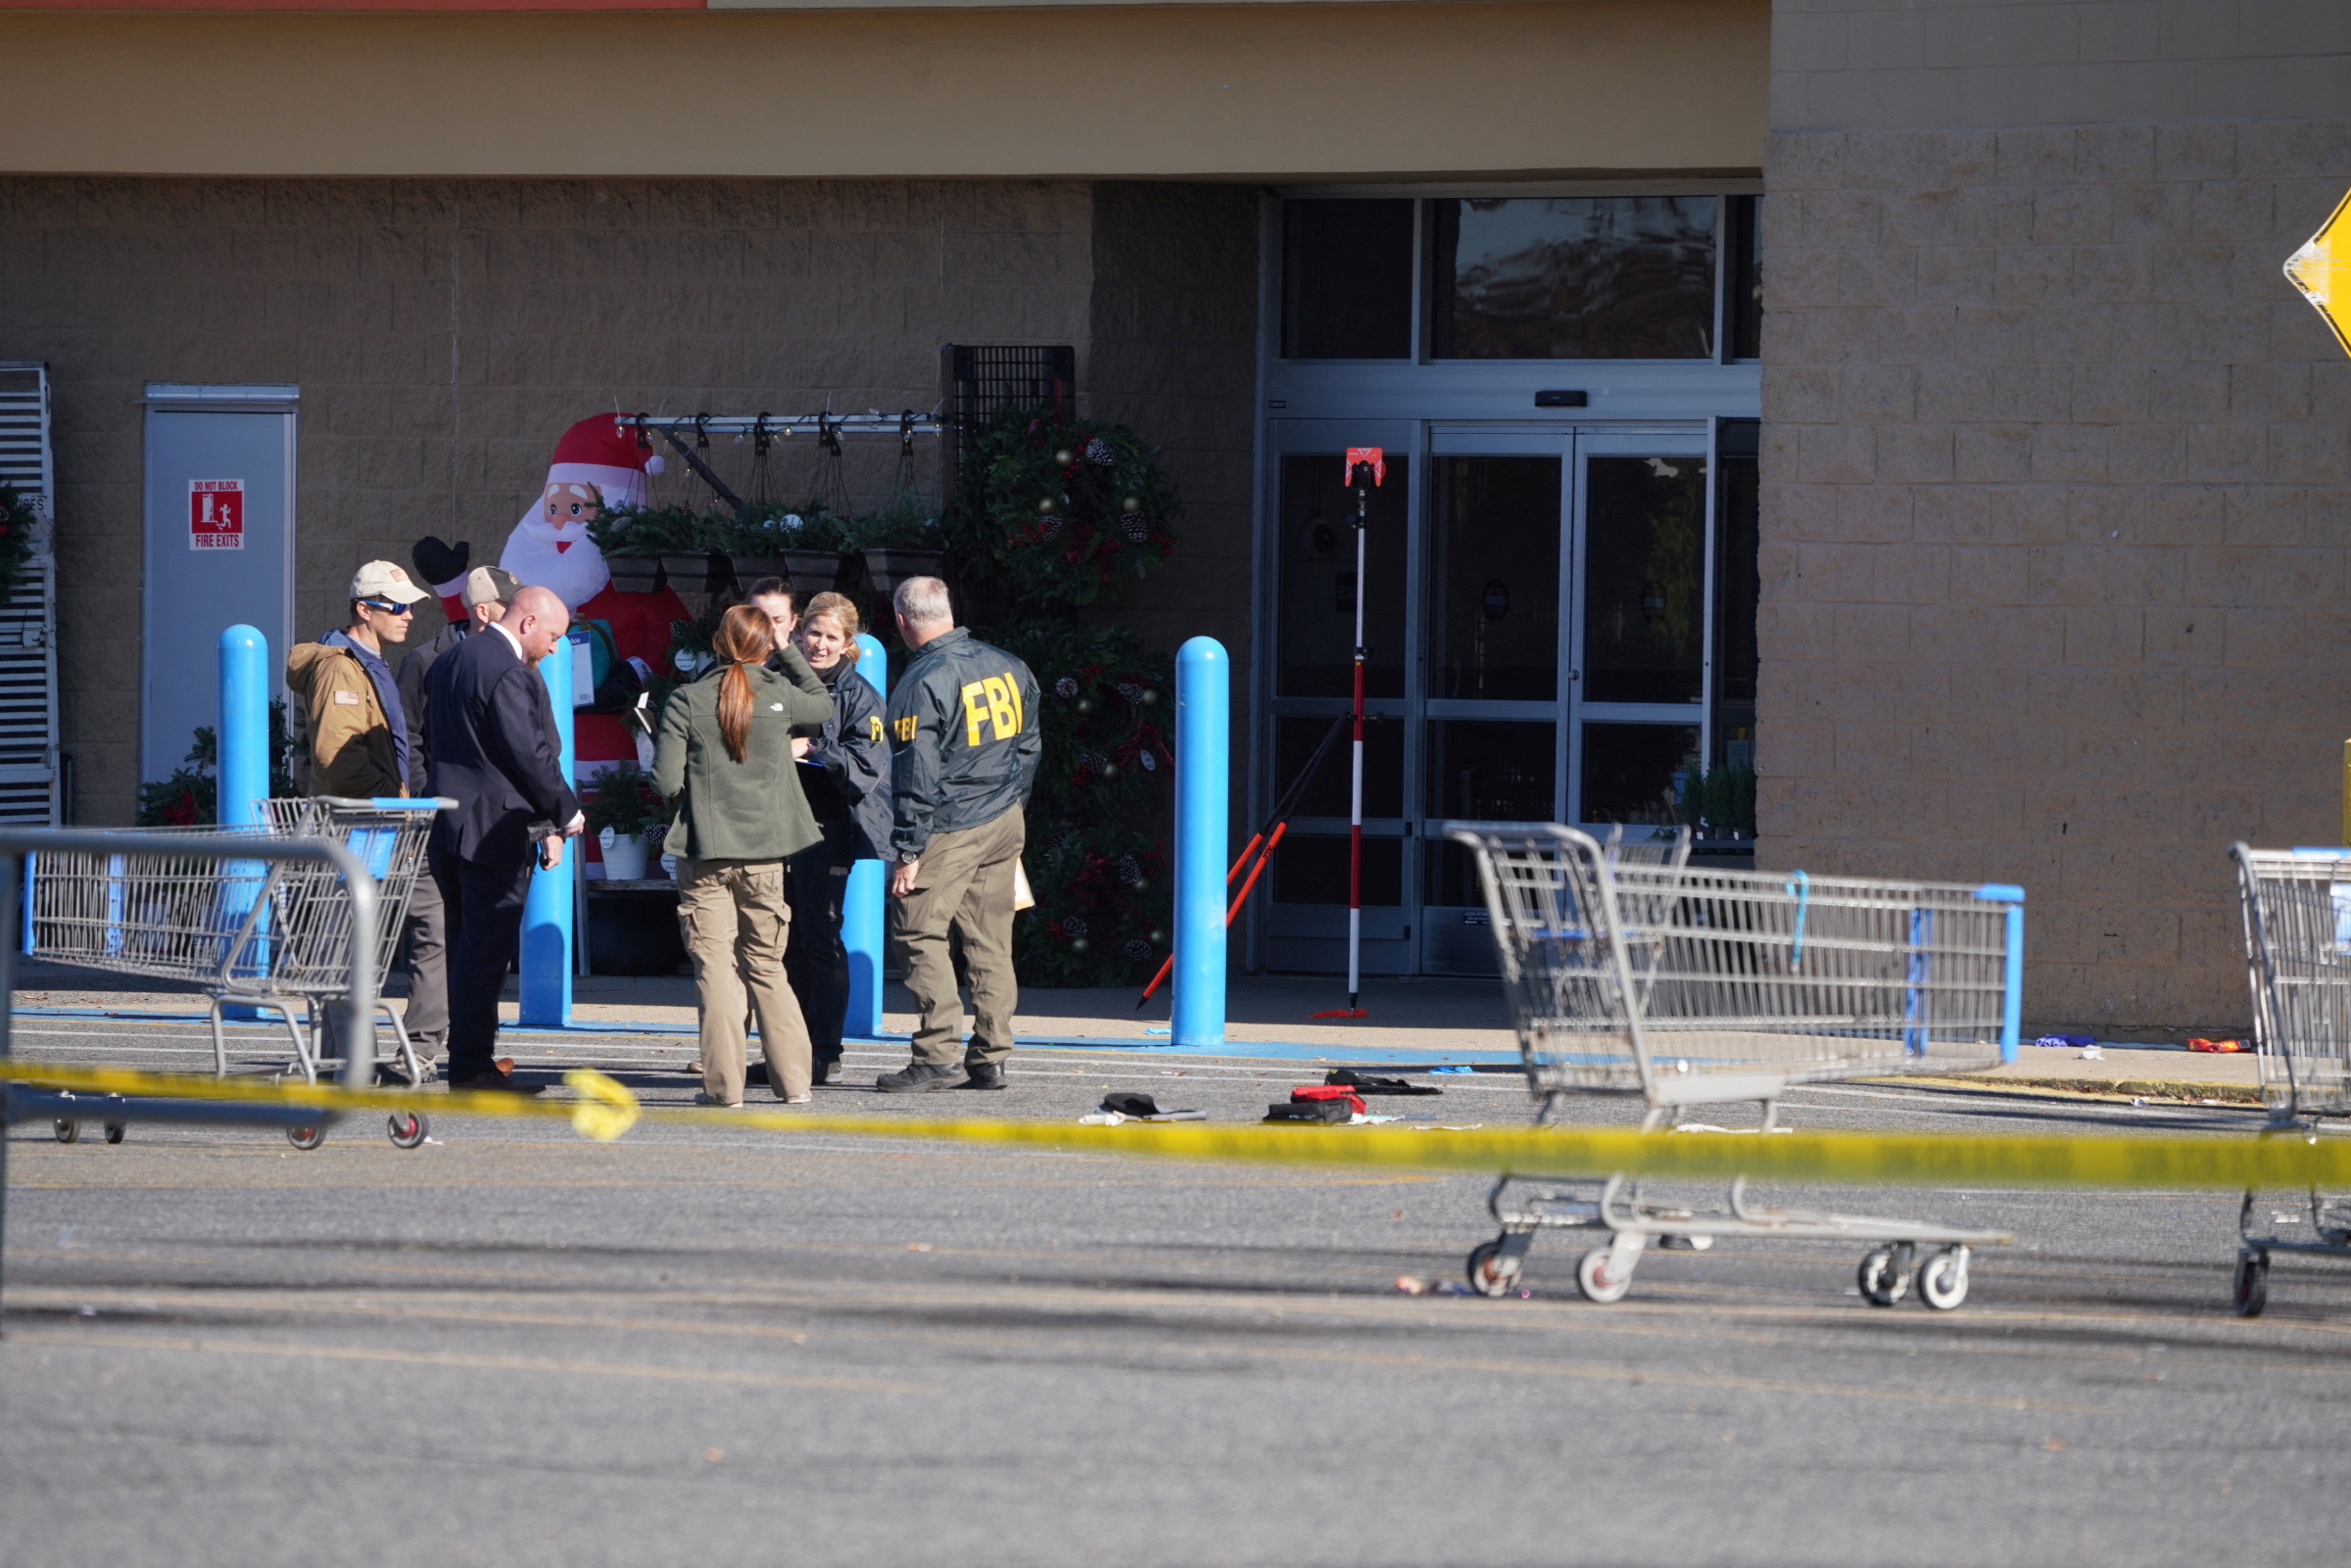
[
  {"x": 1487, "y": 729},
  {"x": 1639, "y": 686},
  {"x": 1538, "y": 614}
]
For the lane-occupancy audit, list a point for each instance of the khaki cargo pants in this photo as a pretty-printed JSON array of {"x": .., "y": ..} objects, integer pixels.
[
  {"x": 735, "y": 922},
  {"x": 965, "y": 883}
]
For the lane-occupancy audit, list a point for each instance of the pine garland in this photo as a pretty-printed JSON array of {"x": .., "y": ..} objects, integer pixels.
[
  {"x": 1058, "y": 513},
  {"x": 1103, "y": 893}
]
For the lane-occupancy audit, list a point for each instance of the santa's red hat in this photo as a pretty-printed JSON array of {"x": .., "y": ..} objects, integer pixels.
[{"x": 599, "y": 452}]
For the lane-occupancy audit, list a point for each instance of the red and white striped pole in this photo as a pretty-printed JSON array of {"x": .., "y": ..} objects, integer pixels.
[{"x": 1367, "y": 466}]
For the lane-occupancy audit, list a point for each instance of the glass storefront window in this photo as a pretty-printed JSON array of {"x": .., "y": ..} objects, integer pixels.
[
  {"x": 1329, "y": 794},
  {"x": 1585, "y": 277},
  {"x": 1633, "y": 773},
  {"x": 1743, "y": 280},
  {"x": 1317, "y": 607},
  {"x": 1482, "y": 770},
  {"x": 1347, "y": 279},
  {"x": 1311, "y": 869},
  {"x": 1495, "y": 600},
  {"x": 1737, "y": 590},
  {"x": 1645, "y": 617}
]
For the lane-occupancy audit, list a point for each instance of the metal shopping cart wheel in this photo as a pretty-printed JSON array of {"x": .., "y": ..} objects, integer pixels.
[
  {"x": 2249, "y": 1290},
  {"x": 406, "y": 1129},
  {"x": 1884, "y": 1275},
  {"x": 114, "y": 1131},
  {"x": 307, "y": 1138},
  {"x": 68, "y": 1132},
  {"x": 1492, "y": 1271},
  {"x": 1943, "y": 1283},
  {"x": 1606, "y": 1273}
]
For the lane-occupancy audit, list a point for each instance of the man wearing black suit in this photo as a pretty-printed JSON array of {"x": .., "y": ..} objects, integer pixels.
[{"x": 490, "y": 732}]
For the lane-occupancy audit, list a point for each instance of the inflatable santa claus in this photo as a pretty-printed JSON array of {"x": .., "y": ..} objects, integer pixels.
[{"x": 595, "y": 467}]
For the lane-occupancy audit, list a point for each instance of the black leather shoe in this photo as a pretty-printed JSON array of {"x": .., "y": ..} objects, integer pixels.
[
  {"x": 496, "y": 1081},
  {"x": 919, "y": 1078},
  {"x": 984, "y": 1075}
]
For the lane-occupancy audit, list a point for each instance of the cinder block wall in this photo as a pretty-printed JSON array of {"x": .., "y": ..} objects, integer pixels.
[
  {"x": 1175, "y": 354},
  {"x": 442, "y": 333},
  {"x": 2058, "y": 481}
]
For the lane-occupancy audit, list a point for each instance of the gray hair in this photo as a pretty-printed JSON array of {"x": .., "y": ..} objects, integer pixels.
[{"x": 923, "y": 602}]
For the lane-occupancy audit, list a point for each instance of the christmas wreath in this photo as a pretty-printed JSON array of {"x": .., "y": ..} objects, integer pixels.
[
  {"x": 17, "y": 536},
  {"x": 1059, "y": 513},
  {"x": 1100, "y": 879}
]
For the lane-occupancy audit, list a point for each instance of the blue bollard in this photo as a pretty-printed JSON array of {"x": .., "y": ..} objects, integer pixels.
[
  {"x": 548, "y": 908},
  {"x": 2012, "y": 966},
  {"x": 861, "y": 902},
  {"x": 244, "y": 738},
  {"x": 243, "y": 774},
  {"x": 1203, "y": 801}
]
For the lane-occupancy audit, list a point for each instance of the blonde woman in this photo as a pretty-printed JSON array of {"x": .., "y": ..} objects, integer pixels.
[
  {"x": 844, "y": 770},
  {"x": 724, "y": 761}
]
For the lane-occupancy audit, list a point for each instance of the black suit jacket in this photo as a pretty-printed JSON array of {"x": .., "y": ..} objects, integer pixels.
[
  {"x": 413, "y": 701},
  {"x": 492, "y": 734}
]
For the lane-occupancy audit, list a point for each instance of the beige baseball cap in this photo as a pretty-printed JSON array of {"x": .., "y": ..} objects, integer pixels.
[
  {"x": 383, "y": 579},
  {"x": 489, "y": 585}
]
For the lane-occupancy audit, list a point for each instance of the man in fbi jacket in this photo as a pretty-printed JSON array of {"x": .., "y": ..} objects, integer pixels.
[{"x": 964, "y": 745}]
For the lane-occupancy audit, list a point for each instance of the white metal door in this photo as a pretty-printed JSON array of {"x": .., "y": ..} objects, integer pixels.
[{"x": 219, "y": 551}]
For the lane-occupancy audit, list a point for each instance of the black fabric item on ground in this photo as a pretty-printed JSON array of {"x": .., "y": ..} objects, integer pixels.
[
  {"x": 1368, "y": 1084},
  {"x": 1132, "y": 1105},
  {"x": 1324, "y": 1110}
]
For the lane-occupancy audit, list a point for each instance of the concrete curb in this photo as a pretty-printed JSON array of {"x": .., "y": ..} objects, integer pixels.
[{"x": 2109, "y": 1089}]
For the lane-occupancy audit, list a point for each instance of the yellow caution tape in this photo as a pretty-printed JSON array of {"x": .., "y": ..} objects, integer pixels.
[{"x": 606, "y": 1110}]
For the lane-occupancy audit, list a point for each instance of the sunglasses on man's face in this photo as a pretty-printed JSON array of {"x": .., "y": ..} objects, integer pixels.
[{"x": 389, "y": 609}]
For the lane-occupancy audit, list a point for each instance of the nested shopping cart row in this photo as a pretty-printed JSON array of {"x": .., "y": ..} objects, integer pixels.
[
  {"x": 1630, "y": 971},
  {"x": 273, "y": 935}
]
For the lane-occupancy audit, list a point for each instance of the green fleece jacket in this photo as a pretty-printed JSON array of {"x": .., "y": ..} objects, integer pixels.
[{"x": 747, "y": 810}]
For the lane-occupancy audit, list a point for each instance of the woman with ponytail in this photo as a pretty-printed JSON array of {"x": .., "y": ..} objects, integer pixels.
[{"x": 725, "y": 763}]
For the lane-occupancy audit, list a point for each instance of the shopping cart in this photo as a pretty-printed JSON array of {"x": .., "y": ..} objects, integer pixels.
[
  {"x": 2298, "y": 914},
  {"x": 1637, "y": 973},
  {"x": 269, "y": 935}
]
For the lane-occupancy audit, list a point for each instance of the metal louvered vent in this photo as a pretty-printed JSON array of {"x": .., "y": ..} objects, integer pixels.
[
  {"x": 30, "y": 794},
  {"x": 983, "y": 380}
]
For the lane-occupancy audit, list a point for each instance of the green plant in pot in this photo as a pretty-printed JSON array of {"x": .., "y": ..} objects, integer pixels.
[
  {"x": 1720, "y": 803},
  {"x": 753, "y": 540},
  {"x": 639, "y": 542},
  {"x": 627, "y": 817}
]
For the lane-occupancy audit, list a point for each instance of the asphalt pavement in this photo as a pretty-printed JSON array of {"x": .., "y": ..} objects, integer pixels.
[{"x": 708, "y": 1346}]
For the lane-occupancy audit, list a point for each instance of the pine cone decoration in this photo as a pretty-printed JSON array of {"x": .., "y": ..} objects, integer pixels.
[
  {"x": 1129, "y": 873},
  {"x": 1131, "y": 692},
  {"x": 1098, "y": 453},
  {"x": 1135, "y": 526},
  {"x": 1064, "y": 687},
  {"x": 1072, "y": 927},
  {"x": 1137, "y": 949}
]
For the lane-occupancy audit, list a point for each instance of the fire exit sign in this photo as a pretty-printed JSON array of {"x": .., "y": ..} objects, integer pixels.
[{"x": 215, "y": 514}]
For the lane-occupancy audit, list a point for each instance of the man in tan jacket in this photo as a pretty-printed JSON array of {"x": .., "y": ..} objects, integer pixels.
[{"x": 350, "y": 736}]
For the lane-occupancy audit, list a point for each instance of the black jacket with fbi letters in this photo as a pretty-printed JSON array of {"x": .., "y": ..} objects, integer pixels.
[{"x": 963, "y": 740}]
